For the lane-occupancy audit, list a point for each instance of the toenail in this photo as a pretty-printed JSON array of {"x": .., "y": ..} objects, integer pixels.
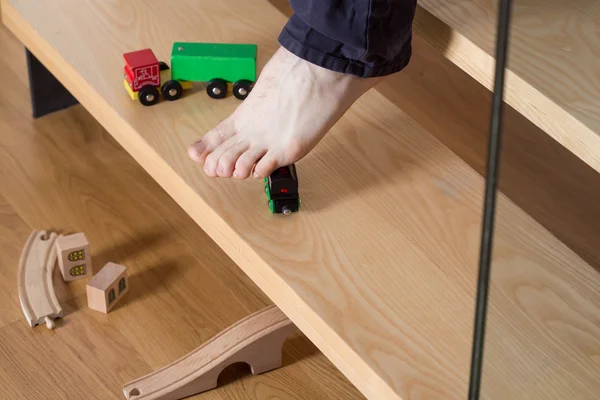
[
  {"x": 199, "y": 146},
  {"x": 194, "y": 153},
  {"x": 220, "y": 169}
]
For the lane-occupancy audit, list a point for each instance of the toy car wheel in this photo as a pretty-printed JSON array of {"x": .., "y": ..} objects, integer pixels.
[
  {"x": 172, "y": 90},
  {"x": 148, "y": 95},
  {"x": 217, "y": 88},
  {"x": 163, "y": 66},
  {"x": 241, "y": 89}
]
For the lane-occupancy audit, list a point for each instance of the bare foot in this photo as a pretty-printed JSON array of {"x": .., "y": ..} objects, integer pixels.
[{"x": 292, "y": 106}]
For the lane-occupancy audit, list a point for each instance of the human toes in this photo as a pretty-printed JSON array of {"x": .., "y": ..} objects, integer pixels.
[
  {"x": 246, "y": 161},
  {"x": 267, "y": 165},
  {"x": 211, "y": 163},
  {"x": 228, "y": 159},
  {"x": 202, "y": 148},
  {"x": 279, "y": 157}
]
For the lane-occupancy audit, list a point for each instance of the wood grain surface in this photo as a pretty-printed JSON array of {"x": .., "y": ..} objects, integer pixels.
[
  {"x": 67, "y": 174},
  {"x": 378, "y": 269},
  {"x": 553, "y": 185},
  {"x": 541, "y": 176},
  {"x": 537, "y": 173},
  {"x": 554, "y": 55},
  {"x": 589, "y": 7}
]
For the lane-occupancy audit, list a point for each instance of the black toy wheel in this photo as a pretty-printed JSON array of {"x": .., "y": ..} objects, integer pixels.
[
  {"x": 172, "y": 90},
  {"x": 241, "y": 89},
  {"x": 148, "y": 95},
  {"x": 217, "y": 88},
  {"x": 163, "y": 66}
]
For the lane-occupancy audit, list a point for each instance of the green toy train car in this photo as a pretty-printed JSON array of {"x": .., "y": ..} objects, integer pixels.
[
  {"x": 223, "y": 67},
  {"x": 282, "y": 190}
]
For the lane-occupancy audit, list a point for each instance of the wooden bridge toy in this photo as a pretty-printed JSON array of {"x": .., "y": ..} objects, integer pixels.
[
  {"x": 36, "y": 292},
  {"x": 256, "y": 340}
]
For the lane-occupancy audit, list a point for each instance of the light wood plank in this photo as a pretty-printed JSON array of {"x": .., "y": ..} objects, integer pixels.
[
  {"x": 184, "y": 288},
  {"x": 542, "y": 177},
  {"x": 13, "y": 235},
  {"x": 552, "y": 76},
  {"x": 378, "y": 270},
  {"x": 589, "y": 7}
]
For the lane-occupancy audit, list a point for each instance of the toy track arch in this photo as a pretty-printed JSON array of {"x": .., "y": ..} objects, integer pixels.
[{"x": 256, "y": 340}]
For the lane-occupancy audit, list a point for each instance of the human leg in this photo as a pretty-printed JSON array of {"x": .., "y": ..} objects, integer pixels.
[{"x": 332, "y": 52}]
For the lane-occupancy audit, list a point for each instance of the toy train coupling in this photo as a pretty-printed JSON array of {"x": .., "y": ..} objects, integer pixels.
[{"x": 282, "y": 190}]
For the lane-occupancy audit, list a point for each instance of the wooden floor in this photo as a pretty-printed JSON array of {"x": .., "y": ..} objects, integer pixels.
[{"x": 65, "y": 173}]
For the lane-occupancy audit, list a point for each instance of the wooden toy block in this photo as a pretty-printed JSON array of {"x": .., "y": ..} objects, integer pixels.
[
  {"x": 74, "y": 258},
  {"x": 256, "y": 340},
  {"x": 108, "y": 287},
  {"x": 36, "y": 292},
  {"x": 141, "y": 69},
  {"x": 202, "y": 62}
]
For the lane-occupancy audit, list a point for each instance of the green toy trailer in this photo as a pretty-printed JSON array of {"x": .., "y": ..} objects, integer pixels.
[
  {"x": 282, "y": 190},
  {"x": 220, "y": 65}
]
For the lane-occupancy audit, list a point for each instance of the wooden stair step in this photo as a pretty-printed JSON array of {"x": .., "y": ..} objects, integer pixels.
[{"x": 552, "y": 72}]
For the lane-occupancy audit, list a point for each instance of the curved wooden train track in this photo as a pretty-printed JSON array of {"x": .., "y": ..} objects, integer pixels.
[
  {"x": 36, "y": 292},
  {"x": 256, "y": 340}
]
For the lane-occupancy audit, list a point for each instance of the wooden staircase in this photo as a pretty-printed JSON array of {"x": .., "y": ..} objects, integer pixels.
[{"x": 379, "y": 268}]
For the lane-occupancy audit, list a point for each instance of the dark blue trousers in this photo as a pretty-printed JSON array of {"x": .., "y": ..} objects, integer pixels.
[{"x": 366, "y": 38}]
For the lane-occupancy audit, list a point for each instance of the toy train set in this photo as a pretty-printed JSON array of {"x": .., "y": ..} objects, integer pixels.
[{"x": 223, "y": 67}]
